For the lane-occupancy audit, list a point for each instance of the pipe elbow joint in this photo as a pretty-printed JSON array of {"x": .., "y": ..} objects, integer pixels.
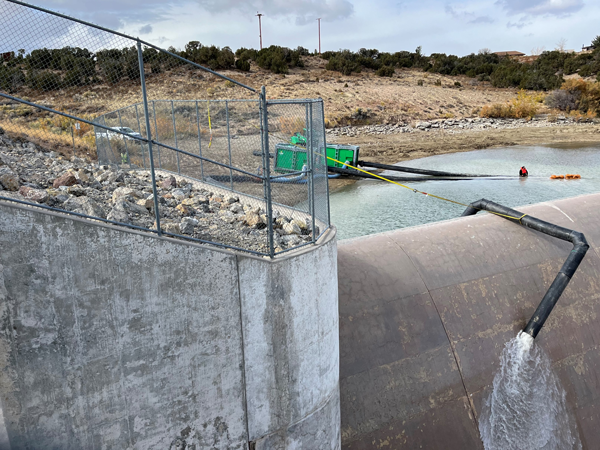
[
  {"x": 578, "y": 239},
  {"x": 475, "y": 207}
]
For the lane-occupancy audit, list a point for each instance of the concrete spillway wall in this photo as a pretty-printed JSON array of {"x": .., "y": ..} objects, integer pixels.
[
  {"x": 111, "y": 338},
  {"x": 425, "y": 313}
]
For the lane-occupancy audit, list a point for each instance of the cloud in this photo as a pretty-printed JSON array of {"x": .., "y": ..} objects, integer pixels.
[
  {"x": 482, "y": 19},
  {"x": 450, "y": 11},
  {"x": 22, "y": 27},
  {"x": 541, "y": 7},
  {"x": 304, "y": 11},
  {"x": 470, "y": 17},
  {"x": 520, "y": 24},
  {"x": 113, "y": 13},
  {"x": 146, "y": 29}
]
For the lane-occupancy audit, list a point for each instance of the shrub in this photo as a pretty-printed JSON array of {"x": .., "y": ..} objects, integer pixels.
[
  {"x": 242, "y": 64},
  {"x": 524, "y": 106},
  {"x": 420, "y": 83},
  {"x": 132, "y": 66},
  {"x": 385, "y": 71},
  {"x": 87, "y": 68},
  {"x": 11, "y": 78},
  {"x": 156, "y": 67},
  {"x": 563, "y": 100},
  {"x": 587, "y": 93},
  {"x": 225, "y": 59},
  {"x": 245, "y": 53},
  {"x": 44, "y": 80},
  {"x": 39, "y": 59},
  {"x": 343, "y": 65},
  {"x": 278, "y": 59},
  {"x": 112, "y": 71},
  {"x": 457, "y": 84},
  {"x": 72, "y": 78},
  {"x": 213, "y": 57}
]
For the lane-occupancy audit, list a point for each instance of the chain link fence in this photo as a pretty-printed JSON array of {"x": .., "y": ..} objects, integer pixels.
[{"x": 170, "y": 154}]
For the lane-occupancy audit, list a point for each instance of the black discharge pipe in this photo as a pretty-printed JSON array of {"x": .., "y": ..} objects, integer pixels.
[
  {"x": 419, "y": 171},
  {"x": 580, "y": 247},
  {"x": 356, "y": 173}
]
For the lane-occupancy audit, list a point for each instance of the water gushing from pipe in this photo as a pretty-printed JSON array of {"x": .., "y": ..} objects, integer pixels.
[{"x": 526, "y": 408}]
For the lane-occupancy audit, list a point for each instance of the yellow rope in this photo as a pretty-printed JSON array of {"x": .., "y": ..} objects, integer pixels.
[
  {"x": 416, "y": 191},
  {"x": 209, "y": 124}
]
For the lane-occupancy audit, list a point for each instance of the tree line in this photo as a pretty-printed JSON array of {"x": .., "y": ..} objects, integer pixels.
[
  {"x": 48, "y": 69},
  {"x": 545, "y": 73}
]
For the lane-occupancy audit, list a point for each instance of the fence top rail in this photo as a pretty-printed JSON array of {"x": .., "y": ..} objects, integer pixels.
[
  {"x": 147, "y": 44},
  {"x": 219, "y": 100},
  {"x": 292, "y": 101}
]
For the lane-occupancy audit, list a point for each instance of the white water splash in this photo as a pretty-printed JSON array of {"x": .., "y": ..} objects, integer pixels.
[{"x": 526, "y": 409}]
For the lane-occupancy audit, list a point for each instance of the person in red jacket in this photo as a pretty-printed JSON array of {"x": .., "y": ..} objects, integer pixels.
[{"x": 523, "y": 172}]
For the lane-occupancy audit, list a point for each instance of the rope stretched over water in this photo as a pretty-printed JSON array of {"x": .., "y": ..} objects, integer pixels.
[{"x": 417, "y": 191}]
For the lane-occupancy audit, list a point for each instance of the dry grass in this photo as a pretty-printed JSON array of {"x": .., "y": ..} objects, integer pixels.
[
  {"x": 85, "y": 146},
  {"x": 410, "y": 95},
  {"x": 524, "y": 106}
]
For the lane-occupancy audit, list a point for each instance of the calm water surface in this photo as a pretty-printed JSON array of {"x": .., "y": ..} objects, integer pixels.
[{"x": 369, "y": 207}]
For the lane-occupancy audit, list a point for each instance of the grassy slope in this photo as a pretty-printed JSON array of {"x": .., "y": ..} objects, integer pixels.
[{"x": 385, "y": 100}]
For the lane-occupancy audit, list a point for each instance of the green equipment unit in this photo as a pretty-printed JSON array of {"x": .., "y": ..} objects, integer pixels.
[
  {"x": 290, "y": 158},
  {"x": 299, "y": 139},
  {"x": 343, "y": 153}
]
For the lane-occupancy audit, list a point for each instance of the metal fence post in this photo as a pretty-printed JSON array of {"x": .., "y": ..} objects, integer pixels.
[
  {"x": 229, "y": 143},
  {"x": 311, "y": 177},
  {"x": 124, "y": 141},
  {"x": 199, "y": 142},
  {"x": 149, "y": 137},
  {"x": 156, "y": 133},
  {"x": 175, "y": 134},
  {"x": 267, "y": 168},
  {"x": 137, "y": 116},
  {"x": 325, "y": 162}
]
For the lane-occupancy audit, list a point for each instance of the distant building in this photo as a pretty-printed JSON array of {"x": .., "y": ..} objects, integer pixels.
[
  {"x": 587, "y": 49},
  {"x": 7, "y": 56},
  {"x": 511, "y": 54}
]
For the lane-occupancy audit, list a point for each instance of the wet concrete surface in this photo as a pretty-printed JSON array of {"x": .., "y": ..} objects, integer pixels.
[{"x": 425, "y": 313}]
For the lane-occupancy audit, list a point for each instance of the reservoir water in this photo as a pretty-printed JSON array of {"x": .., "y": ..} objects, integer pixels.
[{"x": 368, "y": 207}]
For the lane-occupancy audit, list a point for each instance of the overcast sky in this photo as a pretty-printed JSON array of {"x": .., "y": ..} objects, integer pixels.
[{"x": 457, "y": 27}]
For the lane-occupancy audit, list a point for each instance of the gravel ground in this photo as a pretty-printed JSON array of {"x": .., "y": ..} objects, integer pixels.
[
  {"x": 36, "y": 175},
  {"x": 454, "y": 126}
]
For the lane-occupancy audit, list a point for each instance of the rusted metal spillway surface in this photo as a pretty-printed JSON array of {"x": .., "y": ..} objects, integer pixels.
[{"x": 425, "y": 313}]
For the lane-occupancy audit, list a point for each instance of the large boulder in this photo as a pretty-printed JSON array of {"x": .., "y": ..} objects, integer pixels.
[
  {"x": 8, "y": 179},
  {"x": 84, "y": 205},
  {"x": 66, "y": 179},
  {"x": 34, "y": 195}
]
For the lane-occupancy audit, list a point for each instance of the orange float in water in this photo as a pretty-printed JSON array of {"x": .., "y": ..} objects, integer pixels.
[{"x": 568, "y": 176}]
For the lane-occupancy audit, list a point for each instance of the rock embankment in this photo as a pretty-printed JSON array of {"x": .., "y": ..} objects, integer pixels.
[
  {"x": 453, "y": 126},
  {"x": 30, "y": 173}
]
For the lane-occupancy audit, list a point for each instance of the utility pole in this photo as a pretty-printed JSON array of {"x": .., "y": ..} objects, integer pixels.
[
  {"x": 319, "y": 20},
  {"x": 259, "y": 15}
]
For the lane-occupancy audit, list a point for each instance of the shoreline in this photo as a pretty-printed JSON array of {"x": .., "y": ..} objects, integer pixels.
[{"x": 395, "y": 148}]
